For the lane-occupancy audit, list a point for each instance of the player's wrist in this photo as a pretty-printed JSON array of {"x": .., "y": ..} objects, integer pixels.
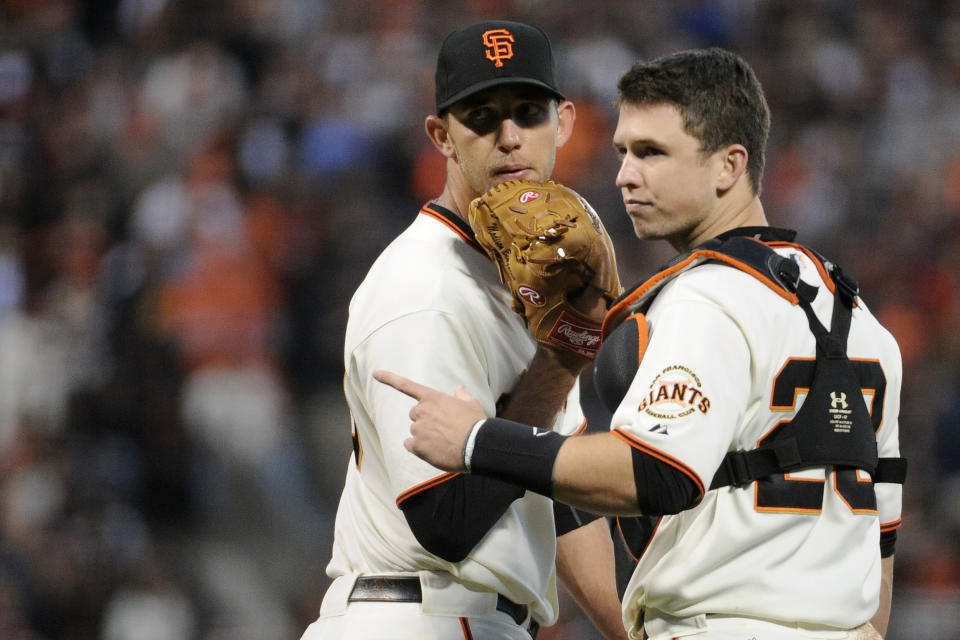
[
  {"x": 591, "y": 303},
  {"x": 470, "y": 443},
  {"x": 516, "y": 453},
  {"x": 561, "y": 359}
]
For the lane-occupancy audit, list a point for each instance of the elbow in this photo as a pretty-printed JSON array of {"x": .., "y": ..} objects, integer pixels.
[
  {"x": 663, "y": 489},
  {"x": 661, "y": 507},
  {"x": 450, "y": 519},
  {"x": 451, "y": 548},
  {"x": 450, "y": 543}
]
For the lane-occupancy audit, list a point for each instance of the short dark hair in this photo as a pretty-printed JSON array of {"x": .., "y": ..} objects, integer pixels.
[{"x": 718, "y": 96}]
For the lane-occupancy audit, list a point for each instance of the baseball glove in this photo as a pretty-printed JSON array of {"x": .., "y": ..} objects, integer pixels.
[{"x": 549, "y": 246}]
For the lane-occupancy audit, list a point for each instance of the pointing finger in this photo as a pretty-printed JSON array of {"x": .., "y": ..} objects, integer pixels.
[{"x": 401, "y": 384}]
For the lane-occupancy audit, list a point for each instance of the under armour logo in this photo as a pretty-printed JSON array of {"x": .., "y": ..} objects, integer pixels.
[
  {"x": 840, "y": 400},
  {"x": 499, "y": 43}
]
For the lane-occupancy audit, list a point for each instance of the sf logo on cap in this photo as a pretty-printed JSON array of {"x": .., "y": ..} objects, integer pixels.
[{"x": 499, "y": 44}]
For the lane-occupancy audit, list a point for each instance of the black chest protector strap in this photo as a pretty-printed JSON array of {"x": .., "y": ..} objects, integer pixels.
[{"x": 833, "y": 426}]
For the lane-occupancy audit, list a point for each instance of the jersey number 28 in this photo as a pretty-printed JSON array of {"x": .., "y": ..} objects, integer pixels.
[{"x": 801, "y": 494}]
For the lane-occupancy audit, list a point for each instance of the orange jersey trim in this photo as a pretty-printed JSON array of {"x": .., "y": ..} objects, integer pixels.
[
  {"x": 623, "y": 536},
  {"x": 465, "y": 626},
  {"x": 631, "y": 298},
  {"x": 423, "y": 486},
  {"x": 453, "y": 222},
  {"x": 891, "y": 526},
  {"x": 622, "y": 305},
  {"x": 660, "y": 455},
  {"x": 821, "y": 269},
  {"x": 814, "y": 259},
  {"x": 581, "y": 429},
  {"x": 643, "y": 335}
]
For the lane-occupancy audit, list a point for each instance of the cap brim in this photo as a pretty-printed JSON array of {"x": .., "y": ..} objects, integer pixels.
[{"x": 493, "y": 82}]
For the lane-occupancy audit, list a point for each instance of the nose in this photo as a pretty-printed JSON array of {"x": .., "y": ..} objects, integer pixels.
[
  {"x": 508, "y": 137},
  {"x": 627, "y": 175}
]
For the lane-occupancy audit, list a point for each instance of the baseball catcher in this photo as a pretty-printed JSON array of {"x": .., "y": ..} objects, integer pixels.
[{"x": 549, "y": 246}]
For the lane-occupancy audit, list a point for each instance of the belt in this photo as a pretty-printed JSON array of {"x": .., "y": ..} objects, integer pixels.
[{"x": 407, "y": 589}]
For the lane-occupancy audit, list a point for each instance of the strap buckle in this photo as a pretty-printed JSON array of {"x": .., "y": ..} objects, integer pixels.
[
  {"x": 742, "y": 467},
  {"x": 787, "y": 453},
  {"x": 786, "y": 270},
  {"x": 736, "y": 469},
  {"x": 848, "y": 287}
]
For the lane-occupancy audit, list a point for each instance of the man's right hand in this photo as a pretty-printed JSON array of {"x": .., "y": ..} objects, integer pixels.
[{"x": 441, "y": 422}]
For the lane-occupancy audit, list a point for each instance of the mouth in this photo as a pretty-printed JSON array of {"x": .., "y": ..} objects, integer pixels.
[
  {"x": 514, "y": 172},
  {"x": 634, "y": 206}
]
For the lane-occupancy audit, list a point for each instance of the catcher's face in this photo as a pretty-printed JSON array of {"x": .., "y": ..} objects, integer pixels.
[
  {"x": 509, "y": 132},
  {"x": 671, "y": 189}
]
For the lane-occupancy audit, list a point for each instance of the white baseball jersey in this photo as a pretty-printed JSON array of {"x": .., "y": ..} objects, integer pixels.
[
  {"x": 432, "y": 308},
  {"x": 719, "y": 374}
]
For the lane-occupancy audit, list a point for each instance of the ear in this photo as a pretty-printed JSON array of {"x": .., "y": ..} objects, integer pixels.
[
  {"x": 439, "y": 134},
  {"x": 732, "y": 165},
  {"x": 567, "y": 115}
]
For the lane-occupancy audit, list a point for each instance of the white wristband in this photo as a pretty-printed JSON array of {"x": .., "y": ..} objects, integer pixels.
[{"x": 471, "y": 440}]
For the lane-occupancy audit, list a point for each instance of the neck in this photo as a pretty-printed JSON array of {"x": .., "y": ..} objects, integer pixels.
[
  {"x": 457, "y": 194},
  {"x": 750, "y": 214}
]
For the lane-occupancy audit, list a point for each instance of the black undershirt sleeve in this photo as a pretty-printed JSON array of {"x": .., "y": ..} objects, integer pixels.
[
  {"x": 888, "y": 541},
  {"x": 449, "y": 519},
  {"x": 662, "y": 489}
]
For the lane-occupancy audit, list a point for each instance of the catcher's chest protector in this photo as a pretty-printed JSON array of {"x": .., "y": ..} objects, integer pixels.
[{"x": 833, "y": 426}]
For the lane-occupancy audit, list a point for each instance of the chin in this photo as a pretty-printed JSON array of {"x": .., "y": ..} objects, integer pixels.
[{"x": 643, "y": 231}]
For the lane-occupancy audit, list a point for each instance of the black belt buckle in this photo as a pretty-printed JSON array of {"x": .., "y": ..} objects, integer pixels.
[
  {"x": 386, "y": 589},
  {"x": 407, "y": 589}
]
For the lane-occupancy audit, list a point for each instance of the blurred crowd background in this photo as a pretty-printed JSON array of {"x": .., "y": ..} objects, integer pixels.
[{"x": 191, "y": 190}]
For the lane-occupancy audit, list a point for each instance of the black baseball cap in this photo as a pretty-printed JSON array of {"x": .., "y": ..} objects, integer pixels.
[{"x": 491, "y": 53}]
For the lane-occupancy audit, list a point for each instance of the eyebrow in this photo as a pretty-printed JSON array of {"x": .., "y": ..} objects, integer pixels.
[{"x": 639, "y": 142}]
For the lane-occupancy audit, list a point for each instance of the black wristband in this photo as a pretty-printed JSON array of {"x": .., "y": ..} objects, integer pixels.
[{"x": 516, "y": 453}]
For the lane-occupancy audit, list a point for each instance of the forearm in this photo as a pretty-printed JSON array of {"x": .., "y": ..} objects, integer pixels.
[
  {"x": 542, "y": 390},
  {"x": 586, "y": 568},
  {"x": 598, "y": 472},
  {"x": 594, "y": 472}
]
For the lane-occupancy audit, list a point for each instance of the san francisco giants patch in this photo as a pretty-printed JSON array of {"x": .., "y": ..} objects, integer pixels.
[{"x": 675, "y": 392}]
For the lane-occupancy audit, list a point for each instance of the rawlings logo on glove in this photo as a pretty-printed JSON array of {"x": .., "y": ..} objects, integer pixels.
[{"x": 549, "y": 246}]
